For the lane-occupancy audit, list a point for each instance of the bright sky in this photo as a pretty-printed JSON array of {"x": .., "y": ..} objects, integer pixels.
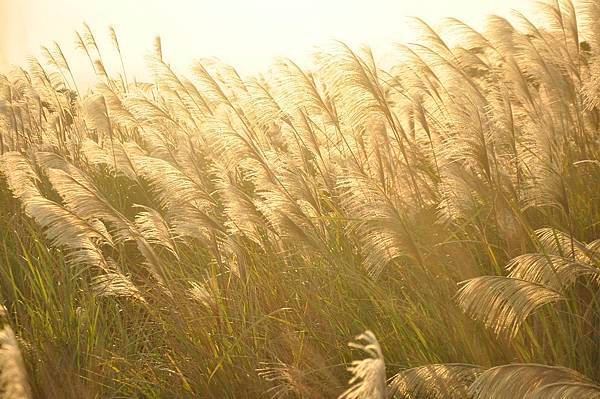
[{"x": 245, "y": 33}]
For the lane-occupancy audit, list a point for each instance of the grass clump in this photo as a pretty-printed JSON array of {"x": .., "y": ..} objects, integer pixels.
[{"x": 222, "y": 237}]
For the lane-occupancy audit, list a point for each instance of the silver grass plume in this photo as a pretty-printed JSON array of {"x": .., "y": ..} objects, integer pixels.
[
  {"x": 368, "y": 380},
  {"x": 20, "y": 175},
  {"x": 287, "y": 381},
  {"x": 118, "y": 158},
  {"x": 13, "y": 376},
  {"x": 173, "y": 86},
  {"x": 116, "y": 284},
  {"x": 201, "y": 292},
  {"x": 381, "y": 217},
  {"x": 435, "y": 381},
  {"x": 563, "y": 244},
  {"x": 503, "y": 303},
  {"x": 553, "y": 271},
  {"x": 188, "y": 205},
  {"x": 528, "y": 380},
  {"x": 155, "y": 229},
  {"x": 62, "y": 227},
  {"x": 566, "y": 390},
  {"x": 84, "y": 199}
]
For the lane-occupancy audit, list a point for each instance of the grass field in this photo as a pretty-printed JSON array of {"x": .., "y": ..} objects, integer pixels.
[{"x": 217, "y": 237}]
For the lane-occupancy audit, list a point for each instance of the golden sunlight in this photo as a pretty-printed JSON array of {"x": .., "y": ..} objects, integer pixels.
[
  {"x": 318, "y": 199},
  {"x": 246, "y": 34}
]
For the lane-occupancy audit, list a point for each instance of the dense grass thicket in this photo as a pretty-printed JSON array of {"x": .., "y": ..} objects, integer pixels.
[{"x": 217, "y": 237}]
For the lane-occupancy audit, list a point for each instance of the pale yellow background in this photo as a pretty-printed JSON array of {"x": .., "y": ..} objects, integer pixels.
[{"x": 247, "y": 34}]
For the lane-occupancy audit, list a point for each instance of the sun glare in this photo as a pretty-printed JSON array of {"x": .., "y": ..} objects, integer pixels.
[{"x": 246, "y": 34}]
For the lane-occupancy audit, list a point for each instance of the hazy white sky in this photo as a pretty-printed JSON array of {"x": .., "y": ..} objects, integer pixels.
[{"x": 245, "y": 33}]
